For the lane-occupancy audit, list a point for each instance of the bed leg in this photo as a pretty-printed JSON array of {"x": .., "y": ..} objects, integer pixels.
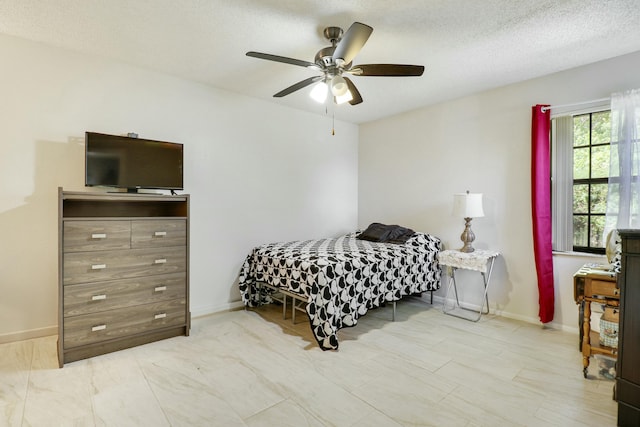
[
  {"x": 393, "y": 315},
  {"x": 284, "y": 307},
  {"x": 431, "y": 296},
  {"x": 259, "y": 292}
]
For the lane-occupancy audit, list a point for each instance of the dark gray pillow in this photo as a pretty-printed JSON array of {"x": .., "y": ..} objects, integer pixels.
[
  {"x": 400, "y": 235},
  {"x": 377, "y": 232}
]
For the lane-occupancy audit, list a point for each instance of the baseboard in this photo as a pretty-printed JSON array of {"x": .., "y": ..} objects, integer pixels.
[
  {"x": 536, "y": 321},
  {"x": 53, "y": 330},
  {"x": 508, "y": 315},
  {"x": 27, "y": 335},
  {"x": 206, "y": 311}
]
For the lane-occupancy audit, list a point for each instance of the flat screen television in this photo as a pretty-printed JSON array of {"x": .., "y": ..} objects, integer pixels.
[{"x": 132, "y": 163}]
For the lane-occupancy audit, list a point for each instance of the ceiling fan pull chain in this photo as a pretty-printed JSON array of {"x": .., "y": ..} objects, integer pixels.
[
  {"x": 333, "y": 124},
  {"x": 333, "y": 119}
]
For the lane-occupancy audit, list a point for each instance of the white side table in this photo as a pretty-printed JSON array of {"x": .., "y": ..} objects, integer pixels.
[{"x": 478, "y": 260}]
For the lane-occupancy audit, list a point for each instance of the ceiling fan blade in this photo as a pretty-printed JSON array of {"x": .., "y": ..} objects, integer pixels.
[
  {"x": 298, "y": 86},
  {"x": 351, "y": 43},
  {"x": 387, "y": 70},
  {"x": 283, "y": 59},
  {"x": 357, "y": 98}
]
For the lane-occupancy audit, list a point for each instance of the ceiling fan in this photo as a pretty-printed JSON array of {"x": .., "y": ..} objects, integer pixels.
[{"x": 335, "y": 60}]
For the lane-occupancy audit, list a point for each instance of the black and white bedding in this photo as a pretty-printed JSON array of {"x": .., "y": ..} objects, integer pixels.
[{"x": 342, "y": 278}]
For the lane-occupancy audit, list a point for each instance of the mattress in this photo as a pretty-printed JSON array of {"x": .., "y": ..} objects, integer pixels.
[{"x": 341, "y": 278}]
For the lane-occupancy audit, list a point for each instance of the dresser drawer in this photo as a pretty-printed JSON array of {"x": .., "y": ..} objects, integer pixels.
[
  {"x": 96, "y": 297},
  {"x": 97, "y": 327},
  {"x": 87, "y": 267},
  {"x": 96, "y": 235},
  {"x": 604, "y": 288},
  {"x": 162, "y": 232}
]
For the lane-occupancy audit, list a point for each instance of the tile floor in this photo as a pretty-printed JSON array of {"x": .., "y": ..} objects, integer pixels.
[{"x": 251, "y": 368}]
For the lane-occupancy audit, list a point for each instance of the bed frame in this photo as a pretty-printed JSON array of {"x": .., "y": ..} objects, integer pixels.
[
  {"x": 337, "y": 280},
  {"x": 299, "y": 302}
]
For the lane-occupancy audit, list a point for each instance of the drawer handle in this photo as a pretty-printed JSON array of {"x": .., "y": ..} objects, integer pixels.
[
  {"x": 160, "y": 288},
  {"x": 616, "y": 292},
  {"x": 160, "y": 261},
  {"x": 160, "y": 233},
  {"x": 99, "y": 236},
  {"x": 160, "y": 316},
  {"x": 98, "y": 266},
  {"x": 98, "y": 297},
  {"x": 98, "y": 328}
]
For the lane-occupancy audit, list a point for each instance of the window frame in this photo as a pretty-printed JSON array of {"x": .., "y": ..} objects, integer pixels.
[
  {"x": 562, "y": 176},
  {"x": 589, "y": 182}
]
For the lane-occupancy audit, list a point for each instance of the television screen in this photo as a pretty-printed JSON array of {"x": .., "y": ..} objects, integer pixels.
[{"x": 132, "y": 163}]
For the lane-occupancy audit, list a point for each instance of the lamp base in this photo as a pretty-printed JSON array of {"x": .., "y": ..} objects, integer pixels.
[
  {"x": 467, "y": 237},
  {"x": 467, "y": 249}
]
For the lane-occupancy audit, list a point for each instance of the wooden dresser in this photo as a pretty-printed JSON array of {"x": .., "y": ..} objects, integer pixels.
[
  {"x": 123, "y": 271},
  {"x": 628, "y": 367}
]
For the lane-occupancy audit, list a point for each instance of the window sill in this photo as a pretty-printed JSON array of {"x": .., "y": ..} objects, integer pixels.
[{"x": 578, "y": 254}]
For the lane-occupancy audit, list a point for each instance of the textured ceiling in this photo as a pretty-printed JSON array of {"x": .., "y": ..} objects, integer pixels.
[{"x": 466, "y": 45}]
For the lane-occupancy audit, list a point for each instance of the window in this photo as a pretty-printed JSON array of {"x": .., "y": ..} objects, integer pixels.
[
  {"x": 580, "y": 173},
  {"x": 591, "y": 153}
]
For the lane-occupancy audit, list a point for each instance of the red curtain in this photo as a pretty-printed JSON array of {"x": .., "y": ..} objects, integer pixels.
[{"x": 541, "y": 209}]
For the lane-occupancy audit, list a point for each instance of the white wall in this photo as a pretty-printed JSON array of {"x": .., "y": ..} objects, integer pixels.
[
  {"x": 256, "y": 172},
  {"x": 410, "y": 166}
]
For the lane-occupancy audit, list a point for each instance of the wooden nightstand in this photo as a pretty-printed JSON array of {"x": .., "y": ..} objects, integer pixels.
[{"x": 600, "y": 286}]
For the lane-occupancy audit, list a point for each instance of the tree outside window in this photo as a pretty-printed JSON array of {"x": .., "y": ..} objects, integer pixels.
[{"x": 591, "y": 154}]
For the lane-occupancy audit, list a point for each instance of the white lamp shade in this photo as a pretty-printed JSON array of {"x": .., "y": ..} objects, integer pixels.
[
  {"x": 338, "y": 86},
  {"x": 344, "y": 98},
  {"x": 319, "y": 92},
  {"x": 467, "y": 205}
]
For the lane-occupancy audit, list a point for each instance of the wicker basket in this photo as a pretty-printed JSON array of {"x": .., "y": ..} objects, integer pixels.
[{"x": 608, "y": 333}]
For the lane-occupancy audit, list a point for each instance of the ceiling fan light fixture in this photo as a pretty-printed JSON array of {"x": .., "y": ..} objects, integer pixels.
[
  {"x": 332, "y": 61},
  {"x": 339, "y": 86},
  {"x": 341, "y": 99},
  {"x": 319, "y": 92}
]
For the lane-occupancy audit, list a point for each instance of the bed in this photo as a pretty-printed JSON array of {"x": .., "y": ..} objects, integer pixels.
[{"x": 342, "y": 278}]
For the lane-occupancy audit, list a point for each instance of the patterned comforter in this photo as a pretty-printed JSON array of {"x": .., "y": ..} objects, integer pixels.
[{"x": 341, "y": 278}]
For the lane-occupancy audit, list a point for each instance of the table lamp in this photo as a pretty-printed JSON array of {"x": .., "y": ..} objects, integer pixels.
[{"x": 468, "y": 206}]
